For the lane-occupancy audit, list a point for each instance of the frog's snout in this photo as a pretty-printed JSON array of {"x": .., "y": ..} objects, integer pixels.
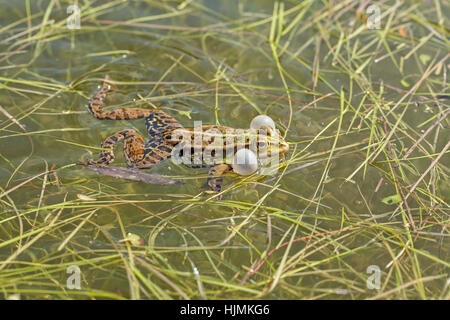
[{"x": 284, "y": 147}]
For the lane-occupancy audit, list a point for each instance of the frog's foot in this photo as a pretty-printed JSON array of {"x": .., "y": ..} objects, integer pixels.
[
  {"x": 216, "y": 181},
  {"x": 108, "y": 87}
]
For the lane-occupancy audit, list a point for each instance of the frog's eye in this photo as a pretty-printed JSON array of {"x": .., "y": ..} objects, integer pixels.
[{"x": 261, "y": 144}]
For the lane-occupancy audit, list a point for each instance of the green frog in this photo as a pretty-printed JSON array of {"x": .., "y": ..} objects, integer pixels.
[{"x": 166, "y": 133}]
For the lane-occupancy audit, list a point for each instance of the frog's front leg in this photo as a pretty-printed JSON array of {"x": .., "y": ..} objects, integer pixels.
[{"x": 215, "y": 182}]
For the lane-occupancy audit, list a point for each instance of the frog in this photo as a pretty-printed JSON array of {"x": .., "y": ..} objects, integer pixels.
[{"x": 161, "y": 128}]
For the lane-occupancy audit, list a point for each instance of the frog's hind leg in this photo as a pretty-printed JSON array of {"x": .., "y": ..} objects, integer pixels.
[
  {"x": 134, "y": 148},
  {"x": 216, "y": 182},
  {"x": 96, "y": 107}
]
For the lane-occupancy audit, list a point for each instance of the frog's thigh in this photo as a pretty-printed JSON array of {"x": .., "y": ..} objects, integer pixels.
[
  {"x": 215, "y": 183},
  {"x": 133, "y": 148}
]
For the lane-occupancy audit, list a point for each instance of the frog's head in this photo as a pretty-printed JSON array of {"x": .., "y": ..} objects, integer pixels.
[{"x": 273, "y": 140}]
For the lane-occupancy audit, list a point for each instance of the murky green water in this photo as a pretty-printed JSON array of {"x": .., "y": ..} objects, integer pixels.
[{"x": 210, "y": 52}]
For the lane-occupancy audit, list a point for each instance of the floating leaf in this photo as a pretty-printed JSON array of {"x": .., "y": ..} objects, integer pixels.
[
  {"x": 85, "y": 198},
  {"x": 133, "y": 239},
  {"x": 438, "y": 69},
  {"x": 392, "y": 199},
  {"x": 185, "y": 113},
  {"x": 404, "y": 83},
  {"x": 424, "y": 58}
]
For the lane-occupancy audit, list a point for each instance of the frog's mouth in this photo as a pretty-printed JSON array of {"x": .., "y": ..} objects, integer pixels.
[
  {"x": 280, "y": 149},
  {"x": 281, "y": 145},
  {"x": 284, "y": 147}
]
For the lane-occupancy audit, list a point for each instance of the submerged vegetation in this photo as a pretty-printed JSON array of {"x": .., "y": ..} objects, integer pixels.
[{"x": 364, "y": 187}]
